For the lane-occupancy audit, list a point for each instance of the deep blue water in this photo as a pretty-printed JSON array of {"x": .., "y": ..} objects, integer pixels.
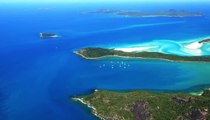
[{"x": 38, "y": 76}]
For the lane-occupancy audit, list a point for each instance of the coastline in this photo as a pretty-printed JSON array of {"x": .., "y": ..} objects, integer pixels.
[
  {"x": 186, "y": 47},
  {"x": 88, "y": 58},
  {"x": 75, "y": 52},
  {"x": 87, "y": 104},
  {"x": 94, "y": 109},
  {"x": 99, "y": 53},
  {"x": 185, "y": 51},
  {"x": 163, "y": 59}
]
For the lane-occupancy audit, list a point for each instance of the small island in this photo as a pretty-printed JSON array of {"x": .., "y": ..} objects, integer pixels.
[
  {"x": 95, "y": 53},
  {"x": 167, "y": 13},
  {"x": 47, "y": 35},
  {"x": 144, "y": 105}
]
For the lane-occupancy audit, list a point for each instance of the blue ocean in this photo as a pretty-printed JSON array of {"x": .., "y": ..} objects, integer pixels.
[{"x": 38, "y": 77}]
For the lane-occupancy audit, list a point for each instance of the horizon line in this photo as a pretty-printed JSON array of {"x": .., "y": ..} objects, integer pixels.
[{"x": 105, "y": 1}]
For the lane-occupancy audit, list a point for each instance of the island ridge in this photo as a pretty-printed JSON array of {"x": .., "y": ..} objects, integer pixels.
[{"x": 143, "y": 105}]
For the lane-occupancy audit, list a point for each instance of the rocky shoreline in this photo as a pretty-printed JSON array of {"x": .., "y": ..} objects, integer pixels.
[
  {"x": 140, "y": 104},
  {"x": 86, "y": 103}
]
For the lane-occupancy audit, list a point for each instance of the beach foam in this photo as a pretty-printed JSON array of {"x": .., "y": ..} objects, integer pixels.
[{"x": 55, "y": 36}]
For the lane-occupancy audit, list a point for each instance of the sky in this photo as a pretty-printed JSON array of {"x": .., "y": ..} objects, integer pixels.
[{"x": 104, "y": 0}]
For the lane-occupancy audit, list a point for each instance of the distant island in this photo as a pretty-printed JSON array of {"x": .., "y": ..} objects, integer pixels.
[
  {"x": 47, "y": 35},
  {"x": 95, "y": 53},
  {"x": 143, "y": 105},
  {"x": 167, "y": 13}
]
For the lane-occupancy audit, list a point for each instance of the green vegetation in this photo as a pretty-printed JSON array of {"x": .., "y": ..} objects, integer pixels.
[
  {"x": 93, "y": 53},
  {"x": 204, "y": 41},
  {"x": 142, "y": 105}
]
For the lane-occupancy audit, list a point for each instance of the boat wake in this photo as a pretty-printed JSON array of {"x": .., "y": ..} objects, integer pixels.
[{"x": 134, "y": 26}]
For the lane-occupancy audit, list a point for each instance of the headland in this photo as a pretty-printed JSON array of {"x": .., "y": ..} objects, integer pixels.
[{"x": 144, "y": 105}]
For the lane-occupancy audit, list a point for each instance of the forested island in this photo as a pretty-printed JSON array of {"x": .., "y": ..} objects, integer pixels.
[
  {"x": 95, "y": 53},
  {"x": 48, "y": 35},
  {"x": 143, "y": 105},
  {"x": 167, "y": 13}
]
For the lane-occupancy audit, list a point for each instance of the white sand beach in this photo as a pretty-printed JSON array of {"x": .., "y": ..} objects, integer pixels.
[
  {"x": 194, "y": 45},
  {"x": 183, "y": 48}
]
